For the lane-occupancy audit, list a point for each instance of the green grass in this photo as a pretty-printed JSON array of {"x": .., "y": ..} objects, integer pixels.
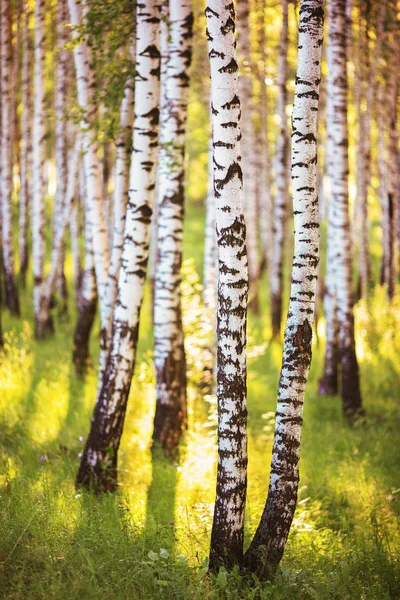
[{"x": 151, "y": 539}]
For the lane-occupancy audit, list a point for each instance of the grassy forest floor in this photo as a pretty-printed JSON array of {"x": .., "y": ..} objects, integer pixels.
[{"x": 151, "y": 539}]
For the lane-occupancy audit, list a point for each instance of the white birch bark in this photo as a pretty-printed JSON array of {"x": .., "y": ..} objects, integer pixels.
[
  {"x": 95, "y": 207},
  {"x": 281, "y": 201},
  {"x": 341, "y": 255},
  {"x": 264, "y": 173},
  {"x": 249, "y": 149},
  {"x": 121, "y": 189},
  {"x": 61, "y": 146},
  {"x": 268, "y": 545},
  {"x": 38, "y": 187},
  {"x": 210, "y": 268},
  {"x": 11, "y": 292},
  {"x": 227, "y": 531},
  {"x": 74, "y": 228},
  {"x": 99, "y": 461},
  {"x": 26, "y": 147},
  {"x": 169, "y": 353}
]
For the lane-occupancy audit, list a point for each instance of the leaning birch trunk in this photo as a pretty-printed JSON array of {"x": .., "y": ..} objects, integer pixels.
[
  {"x": 267, "y": 547},
  {"x": 94, "y": 206},
  {"x": 249, "y": 150},
  {"x": 227, "y": 531},
  {"x": 38, "y": 196},
  {"x": 337, "y": 129},
  {"x": 99, "y": 462},
  {"x": 26, "y": 149},
  {"x": 169, "y": 353},
  {"x": 11, "y": 291},
  {"x": 280, "y": 209},
  {"x": 121, "y": 191}
]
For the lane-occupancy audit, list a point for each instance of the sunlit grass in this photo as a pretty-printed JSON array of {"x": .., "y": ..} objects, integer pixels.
[{"x": 151, "y": 539}]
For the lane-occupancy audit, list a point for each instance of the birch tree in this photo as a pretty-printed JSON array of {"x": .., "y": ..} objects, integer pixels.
[
  {"x": 95, "y": 206},
  {"x": 121, "y": 189},
  {"x": 227, "y": 531},
  {"x": 38, "y": 158},
  {"x": 249, "y": 148},
  {"x": 99, "y": 462},
  {"x": 25, "y": 191},
  {"x": 281, "y": 201},
  {"x": 267, "y": 546},
  {"x": 339, "y": 266},
  {"x": 11, "y": 292},
  {"x": 169, "y": 352}
]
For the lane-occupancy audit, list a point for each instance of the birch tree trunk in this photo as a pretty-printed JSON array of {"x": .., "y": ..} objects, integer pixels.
[
  {"x": 87, "y": 303},
  {"x": 280, "y": 210},
  {"x": 339, "y": 223},
  {"x": 267, "y": 547},
  {"x": 99, "y": 462},
  {"x": 264, "y": 175},
  {"x": 393, "y": 191},
  {"x": 227, "y": 531},
  {"x": 169, "y": 353},
  {"x": 249, "y": 149},
  {"x": 121, "y": 191},
  {"x": 74, "y": 227},
  {"x": 11, "y": 292},
  {"x": 363, "y": 173},
  {"x": 210, "y": 242},
  {"x": 61, "y": 149},
  {"x": 43, "y": 326},
  {"x": 94, "y": 206},
  {"x": 26, "y": 148}
]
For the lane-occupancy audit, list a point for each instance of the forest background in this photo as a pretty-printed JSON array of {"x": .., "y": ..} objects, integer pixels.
[{"x": 152, "y": 537}]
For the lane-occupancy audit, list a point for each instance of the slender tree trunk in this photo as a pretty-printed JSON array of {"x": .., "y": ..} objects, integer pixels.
[
  {"x": 227, "y": 531},
  {"x": 169, "y": 352},
  {"x": 393, "y": 190},
  {"x": 264, "y": 174},
  {"x": 281, "y": 203},
  {"x": 267, "y": 547},
  {"x": 99, "y": 462},
  {"x": 11, "y": 292},
  {"x": 87, "y": 305},
  {"x": 94, "y": 206},
  {"x": 249, "y": 150},
  {"x": 61, "y": 150},
  {"x": 121, "y": 191},
  {"x": 74, "y": 227},
  {"x": 388, "y": 265},
  {"x": 364, "y": 167},
  {"x": 210, "y": 267},
  {"x": 63, "y": 220},
  {"x": 339, "y": 223},
  {"x": 26, "y": 149},
  {"x": 43, "y": 326}
]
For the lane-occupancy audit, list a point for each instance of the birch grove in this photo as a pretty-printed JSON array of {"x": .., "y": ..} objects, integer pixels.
[{"x": 145, "y": 234}]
